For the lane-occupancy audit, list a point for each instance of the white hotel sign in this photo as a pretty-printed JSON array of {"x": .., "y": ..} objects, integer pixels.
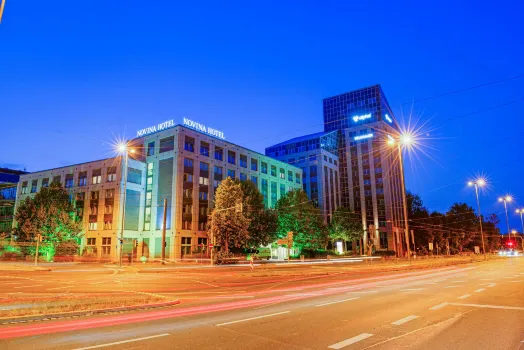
[{"x": 187, "y": 122}]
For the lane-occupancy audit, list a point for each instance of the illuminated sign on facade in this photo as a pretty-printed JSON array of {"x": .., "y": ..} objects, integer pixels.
[
  {"x": 358, "y": 118},
  {"x": 388, "y": 118},
  {"x": 203, "y": 128},
  {"x": 363, "y": 137},
  {"x": 155, "y": 128}
]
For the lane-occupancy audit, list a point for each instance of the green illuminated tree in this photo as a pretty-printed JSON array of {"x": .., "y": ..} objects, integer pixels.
[
  {"x": 51, "y": 214},
  {"x": 262, "y": 221},
  {"x": 296, "y": 213},
  {"x": 227, "y": 223},
  {"x": 346, "y": 226}
]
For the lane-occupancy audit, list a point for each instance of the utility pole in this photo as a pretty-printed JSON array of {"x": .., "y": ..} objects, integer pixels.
[
  {"x": 404, "y": 202},
  {"x": 123, "y": 203},
  {"x": 2, "y": 4},
  {"x": 164, "y": 233}
]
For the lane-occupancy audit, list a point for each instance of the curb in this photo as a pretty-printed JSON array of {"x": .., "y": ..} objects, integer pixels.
[{"x": 75, "y": 314}]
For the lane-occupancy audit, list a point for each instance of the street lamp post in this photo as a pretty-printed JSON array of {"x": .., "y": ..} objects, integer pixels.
[
  {"x": 405, "y": 139},
  {"x": 124, "y": 151},
  {"x": 506, "y": 199},
  {"x": 521, "y": 212},
  {"x": 479, "y": 183}
]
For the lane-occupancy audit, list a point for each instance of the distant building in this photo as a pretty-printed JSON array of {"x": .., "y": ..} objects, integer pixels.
[
  {"x": 8, "y": 182},
  {"x": 317, "y": 156},
  {"x": 181, "y": 163},
  {"x": 369, "y": 169}
]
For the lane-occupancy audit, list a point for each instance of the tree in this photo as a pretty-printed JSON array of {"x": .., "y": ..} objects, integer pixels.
[
  {"x": 344, "y": 225},
  {"x": 297, "y": 214},
  {"x": 228, "y": 223},
  {"x": 491, "y": 232},
  {"x": 463, "y": 221},
  {"x": 51, "y": 214},
  {"x": 262, "y": 221}
]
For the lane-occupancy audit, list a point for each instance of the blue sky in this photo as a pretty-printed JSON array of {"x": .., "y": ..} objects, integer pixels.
[{"x": 73, "y": 74}]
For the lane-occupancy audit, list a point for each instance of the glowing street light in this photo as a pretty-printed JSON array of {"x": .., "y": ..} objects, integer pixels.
[
  {"x": 521, "y": 212},
  {"x": 480, "y": 182},
  {"x": 405, "y": 139},
  {"x": 123, "y": 149},
  {"x": 506, "y": 199}
]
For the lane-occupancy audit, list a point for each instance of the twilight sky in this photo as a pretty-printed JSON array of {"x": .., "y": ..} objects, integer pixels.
[{"x": 75, "y": 73}]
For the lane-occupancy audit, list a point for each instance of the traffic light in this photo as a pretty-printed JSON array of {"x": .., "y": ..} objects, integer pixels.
[
  {"x": 136, "y": 243},
  {"x": 510, "y": 243}
]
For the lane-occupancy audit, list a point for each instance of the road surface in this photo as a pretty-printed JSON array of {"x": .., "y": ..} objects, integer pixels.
[{"x": 472, "y": 306}]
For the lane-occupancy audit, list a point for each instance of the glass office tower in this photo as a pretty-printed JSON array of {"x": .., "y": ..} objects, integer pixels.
[{"x": 369, "y": 168}]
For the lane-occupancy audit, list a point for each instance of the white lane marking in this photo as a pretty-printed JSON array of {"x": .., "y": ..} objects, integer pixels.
[
  {"x": 490, "y": 285},
  {"x": 404, "y": 320},
  {"x": 59, "y": 288},
  {"x": 252, "y": 318},
  {"x": 336, "y": 302},
  {"x": 411, "y": 289},
  {"x": 464, "y": 296},
  {"x": 457, "y": 282},
  {"x": 37, "y": 285},
  {"x": 451, "y": 287},
  {"x": 490, "y": 306},
  {"x": 439, "y": 306},
  {"x": 123, "y": 342},
  {"x": 480, "y": 290},
  {"x": 350, "y": 341}
]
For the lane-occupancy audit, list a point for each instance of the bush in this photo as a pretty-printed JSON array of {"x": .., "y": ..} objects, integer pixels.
[{"x": 221, "y": 257}]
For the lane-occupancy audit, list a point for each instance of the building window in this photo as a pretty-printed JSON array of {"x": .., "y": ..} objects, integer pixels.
[
  {"x": 204, "y": 166},
  {"x": 82, "y": 178},
  {"x": 383, "y": 240},
  {"x": 219, "y": 153},
  {"x": 134, "y": 176},
  {"x": 186, "y": 225},
  {"x": 231, "y": 173},
  {"x": 167, "y": 144},
  {"x": 111, "y": 174},
  {"x": 188, "y": 193},
  {"x": 203, "y": 181},
  {"x": 312, "y": 158},
  {"x": 188, "y": 163},
  {"x": 218, "y": 171},
  {"x": 186, "y": 245},
  {"x": 254, "y": 179},
  {"x": 93, "y": 209},
  {"x": 380, "y": 191},
  {"x": 45, "y": 182},
  {"x": 108, "y": 209},
  {"x": 243, "y": 176},
  {"x": 263, "y": 167},
  {"x": 202, "y": 196},
  {"x": 243, "y": 161},
  {"x": 91, "y": 241},
  {"x": 187, "y": 209},
  {"x": 94, "y": 195},
  {"x": 57, "y": 179},
  {"x": 147, "y": 215},
  {"x": 254, "y": 164},
  {"x": 378, "y": 170},
  {"x": 150, "y": 169},
  {"x": 297, "y": 178},
  {"x": 282, "y": 174},
  {"x": 335, "y": 162},
  {"x": 108, "y": 225},
  {"x": 96, "y": 177},
  {"x": 24, "y": 188},
  {"x": 216, "y": 183},
  {"x": 273, "y": 170},
  {"x": 189, "y": 144},
  {"x": 151, "y": 148},
  {"x": 110, "y": 193},
  {"x": 367, "y": 182},
  {"x": 264, "y": 192},
  {"x": 106, "y": 245},
  {"x": 231, "y": 156},
  {"x": 93, "y": 226},
  {"x": 188, "y": 177},
  {"x": 34, "y": 184},
  {"x": 80, "y": 196},
  {"x": 204, "y": 149},
  {"x": 290, "y": 175}
]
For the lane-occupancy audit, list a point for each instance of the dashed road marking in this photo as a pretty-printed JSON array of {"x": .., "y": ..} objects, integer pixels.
[
  {"x": 411, "y": 289},
  {"x": 350, "y": 341},
  {"x": 480, "y": 290},
  {"x": 336, "y": 302},
  {"x": 464, "y": 296},
  {"x": 439, "y": 306},
  {"x": 451, "y": 287},
  {"x": 37, "y": 285},
  {"x": 123, "y": 341},
  {"x": 490, "y": 306},
  {"x": 251, "y": 318},
  {"x": 457, "y": 282},
  {"x": 404, "y": 320}
]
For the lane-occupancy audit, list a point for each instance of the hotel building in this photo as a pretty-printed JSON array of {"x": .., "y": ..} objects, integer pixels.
[{"x": 183, "y": 164}]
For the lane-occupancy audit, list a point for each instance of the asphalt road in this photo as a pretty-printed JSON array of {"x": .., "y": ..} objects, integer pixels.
[{"x": 474, "y": 306}]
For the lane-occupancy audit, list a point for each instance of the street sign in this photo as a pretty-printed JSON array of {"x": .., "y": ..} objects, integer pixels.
[
  {"x": 431, "y": 246},
  {"x": 283, "y": 242},
  {"x": 210, "y": 245}
]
